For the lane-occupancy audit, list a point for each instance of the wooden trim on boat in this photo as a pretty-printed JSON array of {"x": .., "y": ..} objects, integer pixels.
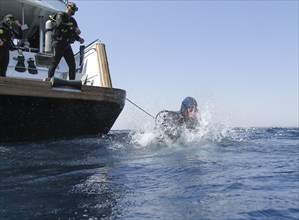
[{"x": 39, "y": 88}]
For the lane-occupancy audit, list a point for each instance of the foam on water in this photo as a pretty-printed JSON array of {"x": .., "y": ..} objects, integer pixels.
[{"x": 207, "y": 131}]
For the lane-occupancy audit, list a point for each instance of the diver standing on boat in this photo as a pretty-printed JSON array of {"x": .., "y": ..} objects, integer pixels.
[
  {"x": 66, "y": 32},
  {"x": 7, "y": 34}
]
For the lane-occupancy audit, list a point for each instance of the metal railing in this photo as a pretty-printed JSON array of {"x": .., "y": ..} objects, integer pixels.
[{"x": 65, "y": 1}]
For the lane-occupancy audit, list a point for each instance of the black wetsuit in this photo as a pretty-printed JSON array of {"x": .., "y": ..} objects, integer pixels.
[
  {"x": 64, "y": 35},
  {"x": 6, "y": 35}
]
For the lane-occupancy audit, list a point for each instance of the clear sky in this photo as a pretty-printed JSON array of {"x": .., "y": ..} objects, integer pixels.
[{"x": 238, "y": 59}]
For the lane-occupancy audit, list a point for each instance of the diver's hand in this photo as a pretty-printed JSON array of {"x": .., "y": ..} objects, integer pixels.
[
  {"x": 1, "y": 43},
  {"x": 81, "y": 40},
  {"x": 78, "y": 31},
  {"x": 17, "y": 23}
]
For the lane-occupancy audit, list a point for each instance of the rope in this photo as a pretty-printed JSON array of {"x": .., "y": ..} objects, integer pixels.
[{"x": 140, "y": 108}]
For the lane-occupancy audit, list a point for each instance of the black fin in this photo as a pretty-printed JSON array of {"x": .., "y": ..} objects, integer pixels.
[
  {"x": 20, "y": 67},
  {"x": 31, "y": 66}
]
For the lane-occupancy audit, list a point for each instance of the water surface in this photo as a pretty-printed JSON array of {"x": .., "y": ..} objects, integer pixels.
[{"x": 239, "y": 174}]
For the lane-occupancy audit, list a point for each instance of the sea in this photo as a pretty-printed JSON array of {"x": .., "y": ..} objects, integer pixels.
[{"x": 219, "y": 173}]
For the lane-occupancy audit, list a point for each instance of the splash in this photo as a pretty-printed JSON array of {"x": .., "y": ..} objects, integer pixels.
[{"x": 206, "y": 132}]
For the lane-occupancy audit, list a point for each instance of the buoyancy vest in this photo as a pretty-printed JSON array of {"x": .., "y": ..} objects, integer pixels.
[
  {"x": 64, "y": 27},
  {"x": 7, "y": 34}
]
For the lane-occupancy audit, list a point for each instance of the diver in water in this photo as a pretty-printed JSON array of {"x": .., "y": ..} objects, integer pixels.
[
  {"x": 172, "y": 123},
  {"x": 189, "y": 113}
]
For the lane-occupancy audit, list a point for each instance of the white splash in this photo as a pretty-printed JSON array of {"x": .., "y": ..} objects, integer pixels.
[{"x": 207, "y": 131}]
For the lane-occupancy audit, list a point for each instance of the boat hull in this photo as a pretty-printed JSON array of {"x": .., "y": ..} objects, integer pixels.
[{"x": 41, "y": 112}]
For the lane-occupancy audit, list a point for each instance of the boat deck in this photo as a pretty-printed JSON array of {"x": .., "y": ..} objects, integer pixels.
[{"x": 39, "y": 88}]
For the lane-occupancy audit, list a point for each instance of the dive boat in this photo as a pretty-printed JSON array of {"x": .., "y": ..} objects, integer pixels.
[{"x": 32, "y": 108}]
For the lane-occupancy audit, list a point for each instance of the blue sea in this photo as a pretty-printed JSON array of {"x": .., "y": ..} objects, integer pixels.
[{"x": 231, "y": 173}]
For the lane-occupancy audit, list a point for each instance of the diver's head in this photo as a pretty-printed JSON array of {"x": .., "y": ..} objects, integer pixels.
[
  {"x": 73, "y": 7},
  {"x": 8, "y": 20},
  {"x": 189, "y": 107}
]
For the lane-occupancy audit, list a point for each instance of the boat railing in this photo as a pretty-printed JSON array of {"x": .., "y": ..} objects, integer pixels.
[
  {"x": 28, "y": 49},
  {"x": 64, "y": 1}
]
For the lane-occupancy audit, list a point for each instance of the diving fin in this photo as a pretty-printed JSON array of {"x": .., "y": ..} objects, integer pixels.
[
  {"x": 20, "y": 67},
  {"x": 31, "y": 66}
]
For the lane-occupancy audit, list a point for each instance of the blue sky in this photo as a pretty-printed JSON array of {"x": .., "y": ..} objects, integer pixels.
[{"x": 238, "y": 59}]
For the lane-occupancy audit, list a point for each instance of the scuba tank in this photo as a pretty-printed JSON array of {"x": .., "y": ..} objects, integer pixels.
[
  {"x": 49, "y": 31},
  {"x": 48, "y": 36}
]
